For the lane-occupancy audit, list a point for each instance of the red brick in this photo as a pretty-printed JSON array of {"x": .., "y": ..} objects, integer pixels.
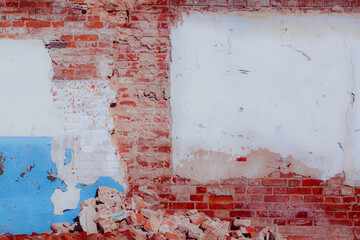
[
  {"x": 299, "y": 222},
  {"x": 94, "y": 18},
  {"x": 332, "y": 200},
  {"x": 66, "y": 37},
  {"x": 301, "y": 214},
  {"x": 241, "y": 205},
  {"x": 94, "y": 25},
  {"x": 257, "y": 198},
  {"x": 182, "y": 205},
  {"x": 311, "y": 199},
  {"x": 5, "y": 24},
  {"x": 24, "y": 4},
  {"x": 311, "y": 182},
  {"x": 18, "y": 24},
  {"x": 38, "y": 24},
  {"x": 128, "y": 103},
  {"x": 349, "y": 199},
  {"x": 201, "y": 190},
  {"x": 12, "y": 4},
  {"x": 171, "y": 236},
  {"x": 220, "y": 199},
  {"x": 17, "y": 11},
  {"x": 274, "y": 182},
  {"x": 294, "y": 182},
  {"x": 254, "y": 182},
  {"x": 240, "y": 214},
  {"x": 221, "y": 205},
  {"x": 299, "y": 190},
  {"x": 338, "y": 207},
  {"x": 58, "y": 24},
  {"x": 279, "y": 190},
  {"x": 164, "y": 149},
  {"x": 167, "y": 196},
  {"x": 259, "y": 190},
  {"x": 356, "y": 207},
  {"x": 317, "y": 191},
  {"x": 276, "y": 198},
  {"x": 280, "y": 222},
  {"x": 208, "y": 213},
  {"x": 340, "y": 214},
  {"x": 200, "y": 205},
  {"x": 197, "y": 198},
  {"x": 240, "y": 190}
]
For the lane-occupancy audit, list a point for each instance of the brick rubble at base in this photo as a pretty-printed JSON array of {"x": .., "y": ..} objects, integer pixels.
[{"x": 111, "y": 215}]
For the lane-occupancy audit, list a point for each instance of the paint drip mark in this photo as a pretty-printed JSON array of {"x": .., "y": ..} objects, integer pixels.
[{"x": 2, "y": 167}]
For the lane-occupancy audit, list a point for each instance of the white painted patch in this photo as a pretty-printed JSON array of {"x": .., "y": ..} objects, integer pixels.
[
  {"x": 279, "y": 83},
  {"x": 26, "y": 107},
  {"x": 84, "y": 110}
]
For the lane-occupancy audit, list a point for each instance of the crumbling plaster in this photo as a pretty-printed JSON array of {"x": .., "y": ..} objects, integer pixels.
[{"x": 258, "y": 92}]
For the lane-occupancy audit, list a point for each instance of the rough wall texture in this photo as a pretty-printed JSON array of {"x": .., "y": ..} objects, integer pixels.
[{"x": 127, "y": 44}]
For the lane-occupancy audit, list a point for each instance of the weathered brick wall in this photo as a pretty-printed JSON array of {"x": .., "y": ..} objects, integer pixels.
[
  {"x": 304, "y": 208},
  {"x": 129, "y": 46}
]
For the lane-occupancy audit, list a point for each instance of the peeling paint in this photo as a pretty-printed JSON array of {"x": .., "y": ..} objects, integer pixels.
[
  {"x": 2, "y": 168},
  {"x": 84, "y": 111},
  {"x": 56, "y": 146},
  {"x": 208, "y": 166}
]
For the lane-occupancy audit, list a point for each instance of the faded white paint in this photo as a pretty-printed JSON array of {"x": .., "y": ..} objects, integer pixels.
[
  {"x": 75, "y": 113},
  {"x": 276, "y": 89},
  {"x": 26, "y": 107}
]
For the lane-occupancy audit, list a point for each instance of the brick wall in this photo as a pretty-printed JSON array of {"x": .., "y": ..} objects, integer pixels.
[{"x": 129, "y": 46}]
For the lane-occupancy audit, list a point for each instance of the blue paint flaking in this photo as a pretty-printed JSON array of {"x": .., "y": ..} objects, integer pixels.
[{"x": 25, "y": 202}]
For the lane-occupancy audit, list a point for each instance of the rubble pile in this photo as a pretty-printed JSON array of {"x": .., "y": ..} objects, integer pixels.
[{"x": 111, "y": 215}]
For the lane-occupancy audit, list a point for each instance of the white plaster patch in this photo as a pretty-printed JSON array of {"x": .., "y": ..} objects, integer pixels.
[
  {"x": 278, "y": 83},
  {"x": 26, "y": 107},
  {"x": 84, "y": 110}
]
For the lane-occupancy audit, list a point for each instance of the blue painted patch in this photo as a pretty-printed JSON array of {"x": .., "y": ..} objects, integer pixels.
[
  {"x": 26, "y": 186},
  {"x": 68, "y": 154}
]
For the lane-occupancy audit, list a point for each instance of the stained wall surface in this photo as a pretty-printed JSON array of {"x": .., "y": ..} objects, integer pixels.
[{"x": 252, "y": 94}]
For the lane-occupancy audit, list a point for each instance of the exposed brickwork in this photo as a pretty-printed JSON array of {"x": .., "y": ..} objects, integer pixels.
[
  {"x": 129, "y": 46},
  {"x": 304, "y": 208}
]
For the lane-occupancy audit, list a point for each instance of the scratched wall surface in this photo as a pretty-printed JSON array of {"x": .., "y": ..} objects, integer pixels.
[
  {"x": 55, "y": 145},
  {"x": 251, "y": 95}
]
